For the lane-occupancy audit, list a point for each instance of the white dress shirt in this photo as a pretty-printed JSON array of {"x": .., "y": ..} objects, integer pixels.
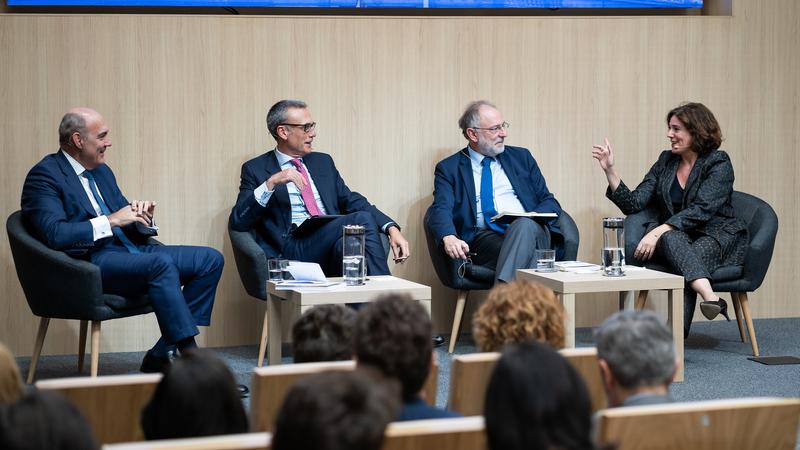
[{"x": 505, "y": 199}]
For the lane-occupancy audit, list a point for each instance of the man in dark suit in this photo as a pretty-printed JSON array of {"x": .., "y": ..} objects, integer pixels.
[
  {"x": 72, "y": 202},
  {"x": 285, "y": 186},
  {"x": 481, "y": 179}
]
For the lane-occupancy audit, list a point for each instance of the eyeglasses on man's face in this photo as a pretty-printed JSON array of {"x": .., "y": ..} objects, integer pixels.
[
  {"x": 307, "y": 127},
  {"x": 495, "y": 129}
]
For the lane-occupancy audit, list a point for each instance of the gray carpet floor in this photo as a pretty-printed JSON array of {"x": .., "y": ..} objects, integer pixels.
[{"x": 716, "y": 362}]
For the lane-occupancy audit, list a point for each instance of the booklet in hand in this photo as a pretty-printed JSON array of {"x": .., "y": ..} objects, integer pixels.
[
  {"x": 312, "y": 224},
  {"x": 508, "y": 216}
]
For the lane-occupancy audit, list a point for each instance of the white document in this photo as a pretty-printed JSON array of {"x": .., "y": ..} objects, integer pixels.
[{"x": 306, "y": 271}]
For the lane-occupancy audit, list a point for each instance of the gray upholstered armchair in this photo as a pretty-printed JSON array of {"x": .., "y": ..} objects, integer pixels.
[
  {"x": 58, "y": 286},
  {"x": 762, "y": 224},
  {"x": 474, "y": 277}
]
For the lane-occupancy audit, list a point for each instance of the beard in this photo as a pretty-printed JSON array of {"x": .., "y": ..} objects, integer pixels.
[{"x": 489, "y": 149}]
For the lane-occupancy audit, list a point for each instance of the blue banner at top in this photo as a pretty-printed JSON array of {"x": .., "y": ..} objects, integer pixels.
[{"x": 492, "y": 4}]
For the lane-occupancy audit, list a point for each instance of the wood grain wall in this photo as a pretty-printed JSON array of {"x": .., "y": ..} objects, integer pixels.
[{"x": 186, "y": 96}]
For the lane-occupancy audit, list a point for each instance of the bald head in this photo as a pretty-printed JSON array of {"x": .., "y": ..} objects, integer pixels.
[{"x": 84, "y": 135}]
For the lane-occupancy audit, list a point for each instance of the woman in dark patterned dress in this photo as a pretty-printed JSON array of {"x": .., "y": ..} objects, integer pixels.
[{"x": 689, "y": 188}]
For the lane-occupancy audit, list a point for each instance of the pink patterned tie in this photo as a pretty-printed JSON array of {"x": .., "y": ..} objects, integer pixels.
[{"x": 307, "y": 193}]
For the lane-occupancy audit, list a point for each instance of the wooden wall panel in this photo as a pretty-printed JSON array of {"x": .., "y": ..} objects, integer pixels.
[{"x": 186, "y": 96}]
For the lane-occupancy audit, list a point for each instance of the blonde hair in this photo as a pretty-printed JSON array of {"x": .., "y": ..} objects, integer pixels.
[
  {"x": 520, "y": 311},
  {"x": 11, "y": 387}
]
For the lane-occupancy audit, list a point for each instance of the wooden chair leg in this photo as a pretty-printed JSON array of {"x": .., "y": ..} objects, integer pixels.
[
  {"x": 737, "y": 309},
  {"x": 749, "y": 320},
  {"x": 82, "y": 344},
  {"x": 262, "y": 345},
  {"x": 37, "y": 347},
  {"x": 95, "y": 346},
  {"x": 641, "y": 300},
  {"x": 460, "y": 303}
]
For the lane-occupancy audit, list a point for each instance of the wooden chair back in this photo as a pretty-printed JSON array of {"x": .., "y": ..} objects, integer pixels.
[
  {"x": 470, "y": 374},
  {"x": 246, "y": 441},
  {"x": 111, "y": 404},
  {"x": 462, "y": 433},
  {"x": 743, "y": 424},
  {"x": 270, "y": 385}
]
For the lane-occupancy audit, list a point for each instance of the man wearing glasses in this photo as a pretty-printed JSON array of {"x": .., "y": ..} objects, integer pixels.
[
  {"x": 485, "y": 177},
  {"x": 282, "y": 188}
]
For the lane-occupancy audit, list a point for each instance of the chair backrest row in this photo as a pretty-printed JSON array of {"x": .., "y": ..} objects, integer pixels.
[
  {"x": 470, "y": 374},
  {"x": 270, "y": 385},
  {"x": 463, "y": 433},
  {"x": 111, "y": 404}
]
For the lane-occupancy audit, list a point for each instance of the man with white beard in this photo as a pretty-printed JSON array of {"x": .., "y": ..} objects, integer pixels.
[{"x": 479, "y": 181}]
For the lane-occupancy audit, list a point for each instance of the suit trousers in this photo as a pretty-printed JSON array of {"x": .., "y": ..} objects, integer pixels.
[
  {"x": 692, "y": 258},
  {"x": 159, "y": 271},
  {"x": 505, "y": 253},
  {"x": 324, "y": 246}
]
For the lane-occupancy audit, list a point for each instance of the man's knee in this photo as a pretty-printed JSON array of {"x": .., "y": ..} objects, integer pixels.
[
  {"x": 214, "y": 258},
  {"x": 160, "y": 264},
  {"x": 364, "y": 219},
  {"x": 526, "y": 227}
]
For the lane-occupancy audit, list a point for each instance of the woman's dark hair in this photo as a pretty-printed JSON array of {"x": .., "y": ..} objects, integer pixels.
[
  {"x": 196, "y": 397},
  {"x": 536, "y": 400},
  {"x": 43, "y": 419},
  {"x": 701, "y": 124}
]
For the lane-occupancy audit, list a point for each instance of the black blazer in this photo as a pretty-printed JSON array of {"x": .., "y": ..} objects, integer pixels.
[{"x": 707, "y": 208}]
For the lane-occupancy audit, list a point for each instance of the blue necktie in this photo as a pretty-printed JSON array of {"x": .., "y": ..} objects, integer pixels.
[
  {"x": 487, "y": 197},
  {"x": 104, "y": 209}
]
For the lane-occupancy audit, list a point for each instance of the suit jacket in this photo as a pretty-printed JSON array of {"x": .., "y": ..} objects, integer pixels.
[
  {"x": 707, "y": 208},
  {"x": 455, "y": 200},
  {"x": 418, "y": 409},
  {"x": 55, "y": 204},
  {"x": 273, "y": 223}
]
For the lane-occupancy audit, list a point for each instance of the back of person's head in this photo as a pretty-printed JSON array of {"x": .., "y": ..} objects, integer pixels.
[
  {"x": 536, "y": 400},
  {"x": 638, "y": 349},
  {"x": 11, "y": 388},
  {"x": 196, "y": 397},
  {"x": 324, "y": 333},
  {"x": 519, "y": 311},
  {"x": 338, "y": 410},
  {"x": 393, "y": 334},
  {"x": 44, "y": 420}
]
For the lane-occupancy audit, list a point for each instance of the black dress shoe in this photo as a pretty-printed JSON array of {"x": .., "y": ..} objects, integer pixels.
[
  {"x": 712, "y": 309},
  {"x": 243, "y": 390},
  {"x": 155, "y": 364},
  {"x": 438, "y": 340}
]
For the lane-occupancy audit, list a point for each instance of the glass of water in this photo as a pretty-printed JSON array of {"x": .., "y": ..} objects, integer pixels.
[
  {"x": 545, "y": 260},
  {"x": 353, "y": 264},
  {"x": 274, "y": 267}
]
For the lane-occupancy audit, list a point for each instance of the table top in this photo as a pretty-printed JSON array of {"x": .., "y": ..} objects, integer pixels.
[
  {"x": 341, "y": 293},
  {"x": 635, "y": 279}
]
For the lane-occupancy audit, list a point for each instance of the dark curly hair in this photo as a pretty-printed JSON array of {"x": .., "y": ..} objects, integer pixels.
[
  {"x": 393, "y": 334},
  {"x": 519, "y": 311},
  {"x": 335, "y": 410},
  {"x": 701, "y": 124},
  {"x": 324, "y": 333}
]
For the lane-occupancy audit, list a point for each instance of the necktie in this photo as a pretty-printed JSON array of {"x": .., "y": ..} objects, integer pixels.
[
  {"x": 307, "y": 193},
  {"x": 104, "y": 209},
  {"x": 487, "y": 197}
]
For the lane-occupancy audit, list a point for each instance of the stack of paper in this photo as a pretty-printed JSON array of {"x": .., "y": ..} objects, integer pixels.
[
  {"x": 577, "y": 266},
  {"x": 306, "y": 275}
]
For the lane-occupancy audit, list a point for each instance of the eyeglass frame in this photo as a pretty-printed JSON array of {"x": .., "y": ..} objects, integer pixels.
[
  {"x": 305, "y": 126},
  {"x": 495, "y": 129}
]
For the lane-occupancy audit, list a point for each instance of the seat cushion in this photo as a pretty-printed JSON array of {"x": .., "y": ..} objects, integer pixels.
[{"x": 727, "y": 273}]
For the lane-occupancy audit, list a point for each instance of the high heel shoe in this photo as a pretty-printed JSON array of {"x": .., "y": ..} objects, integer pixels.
[{"x": 712, "y": 309}]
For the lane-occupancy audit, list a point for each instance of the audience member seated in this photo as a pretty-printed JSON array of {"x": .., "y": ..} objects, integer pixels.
[
  {"x": 637, "y": 358},
  {"x": 335, "y": 411},
  {"x": 324, "y": 333},
  {"x": 519, "y": 311},
  {"x": 393, "y": 336},
  {"x": 11, "y": 387},
  {"x": 44, "y": 420},
  {"x": 536, "y": 400},
  {"x": 197, "y": 397}
]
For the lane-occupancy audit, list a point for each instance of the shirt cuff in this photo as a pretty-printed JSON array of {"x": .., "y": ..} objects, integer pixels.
[
  {"x": 101, "y": 227},
  {"x": 385, "y": 227},
  {"x": 262, "y": 194}
]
